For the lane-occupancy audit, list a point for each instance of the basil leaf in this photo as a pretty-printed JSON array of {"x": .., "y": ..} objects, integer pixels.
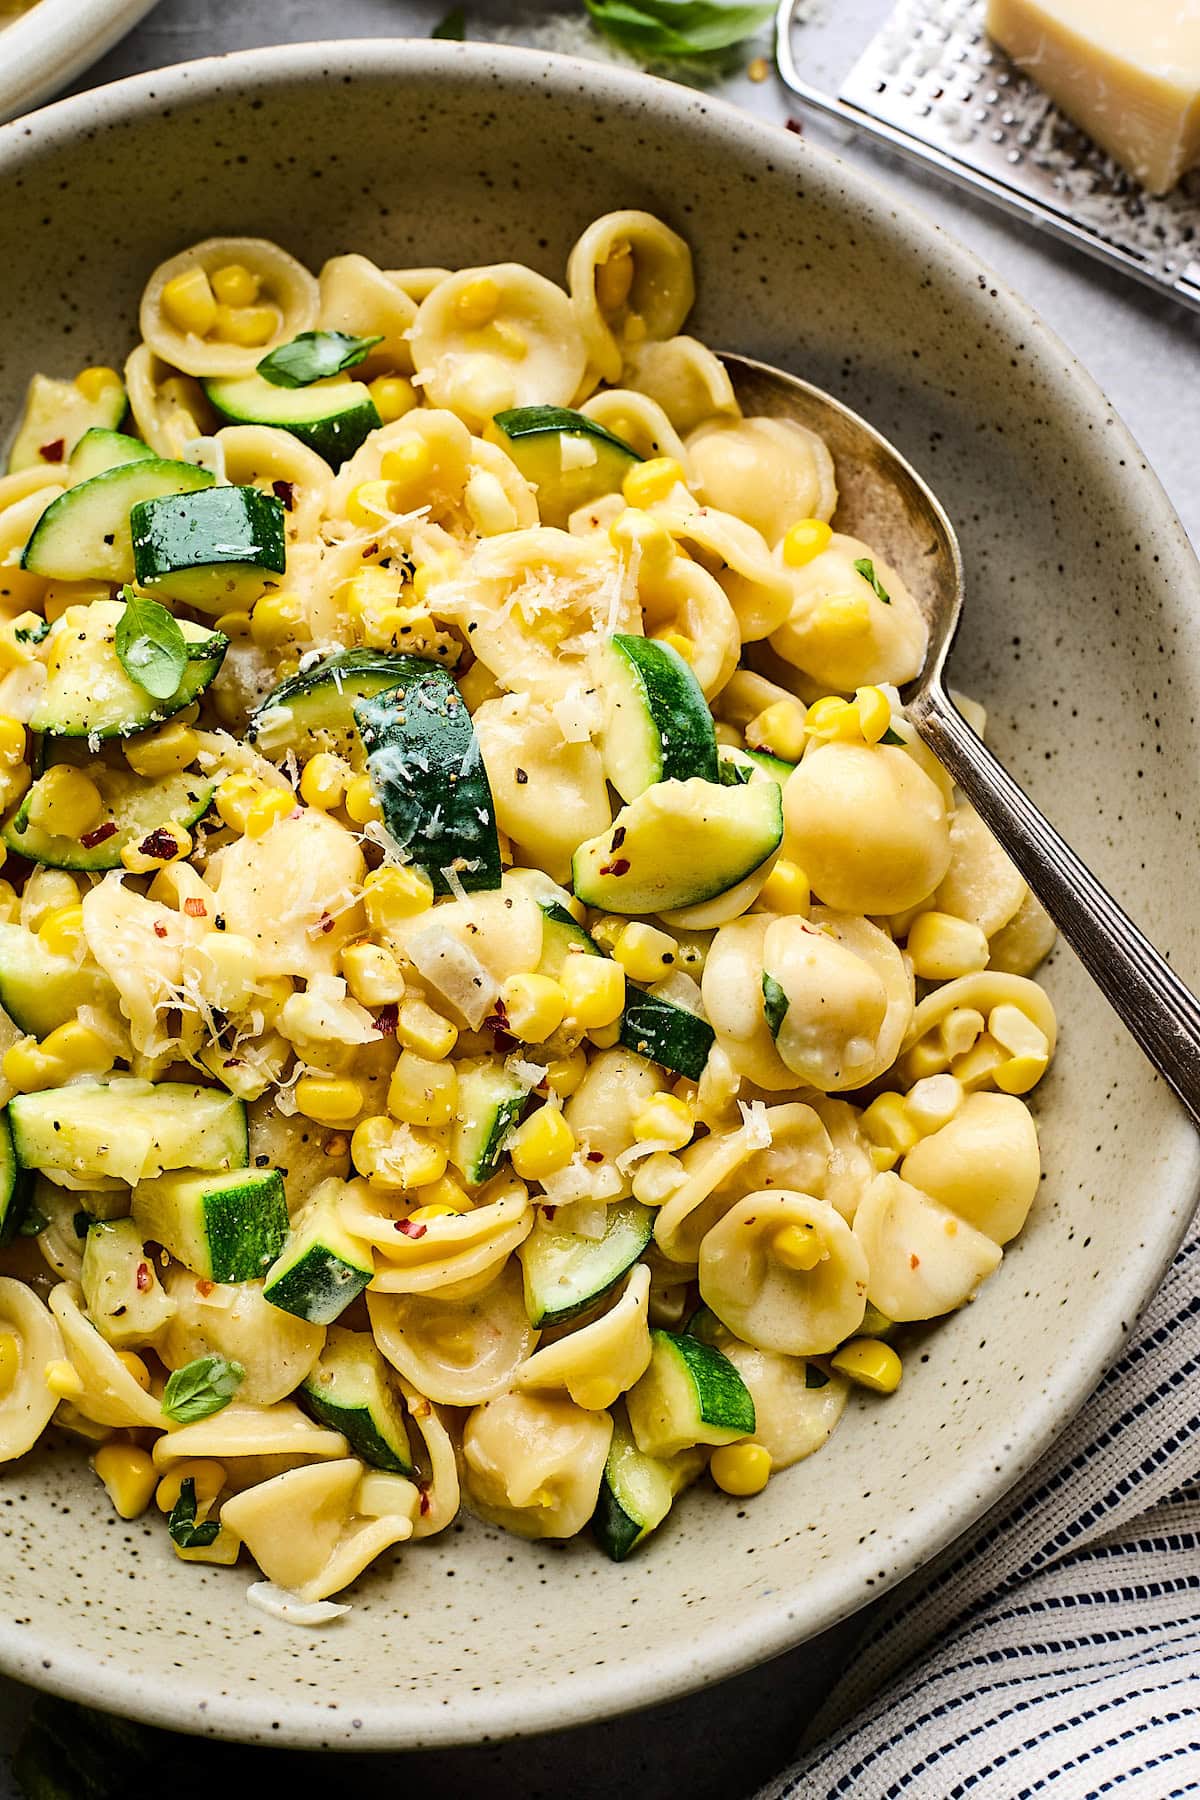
[
  {"x": 677, "y": 28},
  {"x": 892, "y": 737},
  {"x": 33, "y": 1223},
  {"x": 775, "y": 1003},
  {"x": 453, "y": 26},
  {"x": 312, "y": 356},
  {"x": 201, "y": 1388},
  {"x": 866, "y": 569},
  {"x": 733, "y": 774},
  {"x": 151, "y": 646},
  {"x": 815, "y": 1377},
  {"x": 182, "y": 1520}
]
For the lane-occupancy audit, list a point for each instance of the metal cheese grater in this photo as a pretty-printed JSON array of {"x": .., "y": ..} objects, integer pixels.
[{"x": 932, "y": 86}]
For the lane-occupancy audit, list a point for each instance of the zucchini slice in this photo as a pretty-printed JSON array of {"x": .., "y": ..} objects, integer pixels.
[
  {"x": 215, "y": 550},
  {"x": 350, "y": 1391},
  {"x": 87, "y": 692},
  {"x": 14, "y": 1184},
  {"x": 84, "y": 534},
  {"x": 566, "y": 1273},
  {"x": 225, "y": 1227},
  {"x": 657, "y": 723},
  {"x": 665, "y": 1033},
  {"x": 134, "y": 809},
  {"x": 562, "y": 936},
  {"x": 56, "y": 416},
  {"x": 678, "y": 844},
  {"x": 321, "y": 1268},
  {"x": 128, "y": 1129},
  {"x": 637, "y": 1491},
  {"x": 315, "y": 710},
  {"x": 331, "y": 417},
  {"x": 568, "y": 459},
  {"x": 690, "y": 1394},
  {"x": 98, "y": 450},
  {"x": 120, "y": 1288},
  {"x": 490, "y": 1101},
  {"x": 40, "y": 991},
  {"x": 736, "y": 767},
  {"x": 428, "y": 776}
]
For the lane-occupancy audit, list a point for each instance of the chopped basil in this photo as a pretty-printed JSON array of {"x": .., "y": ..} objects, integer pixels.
[
  {"x": 815, "y": 1377},
  {"x": 33, "y": 1223},
  {"x": 151, "y": 646},
  {"x": 775, "y": 1003},
  {"x": 677, "y": 28},
  {"x": 312, "y": 356},
  {"x": 733, "y": 774},
  {"x": 453, "y": 26},
  {"x": 182, "y": 1521},
  {"x": 201, "y": 1388},
  {"x": 866, "y": 569},
  {"x": 892, "y": 737}
]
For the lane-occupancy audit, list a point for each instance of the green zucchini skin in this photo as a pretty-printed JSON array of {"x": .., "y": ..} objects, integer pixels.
[
  {"x": 224, "y": 1227},
  {"x": 565, "y": 1274},
  {"x": 679, "y": 844},
  {"x": 314, "y": 710},
  {"x": 428, "y": 776},
  {"x": 212, "y": 549},
  {"x": 562, "y": 936},
  {"x": 99, "y": 449},
  {"x": 128, "y": 1129},
  {"x": 137, "y": 807},
  {"x": 321, "y": 1268},
  {"x": 331, "y": 417},
  {"x": 350, "y": 1391},
  {"x": 533, "y": 437},
  {"x": 88, "y": 693},
  {"x": 40, "y": 991},
  {"x": 490, "y": 1101},
  {"x": 15, "y": 1184},
  {"x": 658, "y": 726},
  {"x": 84, "y": 535},
  {"x": 666, "y": 1034}
]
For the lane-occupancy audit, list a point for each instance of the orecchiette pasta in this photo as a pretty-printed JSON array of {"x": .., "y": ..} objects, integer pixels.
[{"x": 463, "y": 1043}]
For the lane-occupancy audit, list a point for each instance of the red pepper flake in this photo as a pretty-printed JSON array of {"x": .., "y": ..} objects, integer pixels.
[
  {"x": 90, "y": 839},
  {"x": 504, "y": 1042},
  {"x": 595, "y": 1156},
  {"x": 160, "y": 929},
  {"x": 796, "y": 125},
  {"x": 914, "y": 1261},
  {"x": 195, "y": 907},
  {"x": 521, "y": 776},
  {"x": 143, "y": 1278},
  {"x": 327, "y": 923},
  {"x": 548, "y": 1213},
  {"x": 619, "y": 867},
  {"x": 159, "y": 843},
  {"x": 54, "y": 451},
  {"x": 386, "y": 1019},
  {"x": 411, "y": 1229},
  {"x": 204, "y": 1288},
  {"x": 426, "y": 1504},
  {"x": 285, "y": 491}
]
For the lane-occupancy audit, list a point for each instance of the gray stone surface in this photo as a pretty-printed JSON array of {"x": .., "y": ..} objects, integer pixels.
[{"x": 1145, "y": 353}]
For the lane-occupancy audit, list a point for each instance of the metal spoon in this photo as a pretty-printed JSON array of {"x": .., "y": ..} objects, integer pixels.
[{"x": 882, "y": 498}]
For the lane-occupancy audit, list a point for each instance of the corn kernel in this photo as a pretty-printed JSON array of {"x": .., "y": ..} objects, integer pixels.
[
  {"x": 97, "y": 381},
  {"x": 478, "y": 685},
  {"x": 407, "y": 467},
  {"x": 942, "y": 947},
  {"x": 129, "y": 1477},
  {"x": 66, "y": 802},
  {"x": 162, "y": 752},
  {"x": 644, "y": 952},
  {"x": 64, "y": 1379},
  {"x": 779, "y": 729},
  {"x": 133, "y": 1365},
  {"x": 786, "y": 890},
  {"x": 189, "y": 302},
  {"x": 361, "y": 803},
  {"x": 565, "y": 1073},
  {"x": 683, "y": 646},
  {"x": 276, "y": 619},
  {"x": 595, "y": 990},
  {"x": 329, "y": 1100},
  {"x": 10, "y": 1362},
  {"x": 959, "y": 1030},
  {"x": 491, "y": 511},
  {"x": 78, "y": 1048},
  {"x": 420, "y": 1028},
  {"x": 534, "y": 1006},
  {"x": 395, "y": 1156},
  {"x": 594, "y": 1392},
  {"x": 741, "y": 1469},
  {"x": 446, "y": 1195},
  {"x": 1017, "y": 1031},
  {"x": 614, "y": 278},
  {"x": 798, "y": 1247},
  {"x": 29, "y": 1070},
  {"x": 883, "y": 1159},
  {"x": 477, "y": 303},
  {"x": 806, "y": 540},
  {"x": 1020, "y": 1073},
  {"x": 887, "y": 1122},
  {"x": 422, "y": 1091},
  {"x": 234, "y": 798},
  {"x": 207, "y": 1476},
  {"x": 422, "y": 1214},
  {"x": 430, "y": 575},
  {"x": 165, "y": 844},
  {"x": 266, "y": 811},
  {"x": 61, "y": 931},
  {"x": 841, "y": 618},
  {"x": 393, "y": 396},
  {"x": 977, "y": 1067},
  {"x": 509, "y": 340},
  {"x": 12, "y": 739},
  {"x": 234, "y": 624},
  {"x": 235, "y": 285},
  {"x": 648, "y": 482},
  {"x": 372, "y": 974},
  {"x": 639, "y": 533},
  {"x": 834, "y": 719},
  {"x": 874, "y": 713},
  {"x": 604, "y": 1037},
  {"x": 933, "y": 1102},
  {"x": 665, "y": 1120},
  {"x": 542, "y": 1145},
  {"x": 247, "y": 326},
  {"x": 324, "y": 781},
  {"x": 391, "y": 894},
  {"x": 369, "y": 504},
  {"x": 869, "y": 1364},
  {"x": 656, "y": 1179}
]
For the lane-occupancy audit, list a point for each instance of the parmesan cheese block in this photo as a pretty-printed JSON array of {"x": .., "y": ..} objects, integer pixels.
[{"x": 1127, "y": 71}]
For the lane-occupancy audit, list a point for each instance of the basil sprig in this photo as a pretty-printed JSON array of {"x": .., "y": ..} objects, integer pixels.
[
  {"x": 152, "y": 649},
  {"x": 201, "y": 1388},
  {"x": 181, "y": 1522},
  {"x": 775, "y": 1003},
  {"x": 677, "y": 28},
  {"x": 866, "y": 568},
  {"x": 313, "y": 356}
]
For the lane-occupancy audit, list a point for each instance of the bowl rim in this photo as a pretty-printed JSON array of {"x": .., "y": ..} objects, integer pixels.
[
  {"x": 56, "y": 40},
  {"x": 774, "y": 1623}
]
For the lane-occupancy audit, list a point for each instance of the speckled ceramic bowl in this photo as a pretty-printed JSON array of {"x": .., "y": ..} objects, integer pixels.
[
  {"x": 1078, "y": 637},
  {"x": 46, "y": 47}
]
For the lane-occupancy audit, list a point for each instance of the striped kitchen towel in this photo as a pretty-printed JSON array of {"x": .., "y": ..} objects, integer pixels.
[{"x": 1055, "y": 1649}]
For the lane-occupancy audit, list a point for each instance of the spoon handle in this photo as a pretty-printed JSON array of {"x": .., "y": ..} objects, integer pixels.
[{"x": 1155, "y": 1006}]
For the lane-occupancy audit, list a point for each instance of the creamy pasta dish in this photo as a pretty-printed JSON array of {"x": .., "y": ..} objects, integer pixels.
[{"x": 500, "y": 1009}]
